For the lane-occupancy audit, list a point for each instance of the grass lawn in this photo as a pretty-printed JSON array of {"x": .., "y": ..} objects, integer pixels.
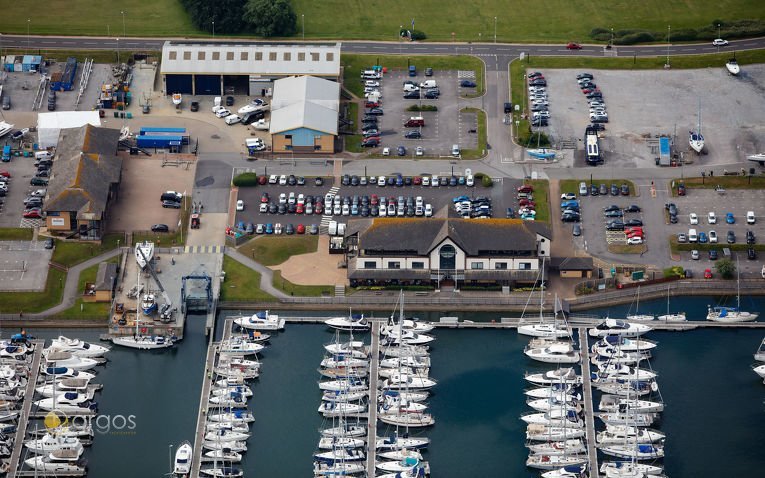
[
  {"x": 354, "y": 64},
  {"x": 542, "y": 199},
  {"x": 353, "y": 143},
  {"x": 15, "y": 234},
  {"x": 626, "y": 249},
  {"x": 82, "y": 309},
  {"x": 741, "y": 246},
  {"x": 273, "y": 250},
  {"x": 572, "y": 185},
  {"x": 300, "y": 290},
  {"x": 15, "y": 302},
  {"x": 241, "y": 284},
  {"x": 72, "y": 253},
  {"x": 479, "y": 152},
  {"x": 518, "y": 69}
]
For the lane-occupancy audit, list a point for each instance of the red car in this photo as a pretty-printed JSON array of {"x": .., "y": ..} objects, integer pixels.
[
  {"x": 417, "y": 180},
  {"x": 574, "y": 46},
  {"x": 526, "y": 189},
  {"x": 374, "y": 200},
  {"x": 371, "y": 104},
  {"x": 262, "y": 180},
  {"x": 35, "y": 213},
  {"x": 707, "y": 273},
  {"x": 5, "y": 174},
  {"x": 526, "y": 202},
  {"x": 264, "y": 197},
  {"x": 587, "y": 91},
  {"x": 299, "y": 209},
  {"x": 300, "y": 229}
]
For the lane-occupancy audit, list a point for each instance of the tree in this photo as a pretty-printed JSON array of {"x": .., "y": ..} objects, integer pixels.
[
  {"x": 726, "y": 268},
  {"x": 228, "y": 15},
  {"x": 271, "y": 17}
]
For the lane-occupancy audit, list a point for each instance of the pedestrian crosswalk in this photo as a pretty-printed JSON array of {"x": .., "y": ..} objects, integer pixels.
[
  {"x": 325, "y": 219},
  {"x": 204, "y": 249}
]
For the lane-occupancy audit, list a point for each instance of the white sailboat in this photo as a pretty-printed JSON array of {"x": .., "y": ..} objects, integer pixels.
[
  {"x": 618, "y": 327},
  {"x": 574, "y": 446},
  {"x": 138, "y": 340},
  {"x": 618, "y": 434},
  {"x": 353, "y": 322},
  {"x": 537, "y": 432},
  {"x": 671, "y": 317},
  {"x": 695, "y": 138},
  {"x": 759, "y": 355},
  {"x": 183, "y": 457},
  {"x": 551, "y": 462},
  {"x": 144, "y": 252},
  {"x": 637, "y": 315},
  {"x": 561, "y": 375},
  {"x": 732, "y": 314}
]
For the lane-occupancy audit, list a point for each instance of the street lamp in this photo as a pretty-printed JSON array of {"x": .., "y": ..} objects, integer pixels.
[
  {"x": 400, "y": 29},
  {"x": 669, "y": 33},
  {"x": 213, "y": 29},
  {"x": 28, "y": 20},
  {"x": 495, "y": 29},
  {"x": 302, "y": 16},
  {"x": 124, "y": 32},
  {"x": 718, "y": 31}
]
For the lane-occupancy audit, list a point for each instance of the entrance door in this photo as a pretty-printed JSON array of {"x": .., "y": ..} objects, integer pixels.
[{"x": 447, "y": 257}]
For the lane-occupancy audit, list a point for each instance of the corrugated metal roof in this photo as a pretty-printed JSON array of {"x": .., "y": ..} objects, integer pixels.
[
  {"x": 251, "y": 59},
  {"x": 305, "y": 102}
]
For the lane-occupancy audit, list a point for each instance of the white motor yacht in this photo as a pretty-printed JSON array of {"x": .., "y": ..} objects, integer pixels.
[
  {"x": 183, "y": 459},
  {"x": 240, "y": 346},
  {"x": 79, "y": 347},
  {"x": 353, "y": 323},
  {"x": 63, "y": 385},
  {"x": 557, "y": 352},
  {"x": 144, "y": 252},
  {"x": 58, "y": 358},
  {"x": 557, "y": 376},
  {"x": 407, "y": 337},
  {"x": 56, "y": 467},
  {"x": 51, "y": 442},
  {"x": 619, "y": 327},
  {"x": 732, "y": 66},
  {"x": 547, "y": 404},
  {"x": 613, "y": 371},
  {"x": 233, "y": 400},
  {"x": 572, "y": 471},
  {"x": 240, "y": 389},
  {"x": 620, "y": 434},
  {"x": 409, "y": 325},
  {"x": 625, "y": 344},
  {"x": 404, "y": 465},
  {"x": 260, "y": 321},
  {"x": 223, "y": 456},
  {"x": 66, "y": 372},
  {"x": 556, "y": 390},
  {"x": 538, "y": 432},
  {"x": 70, "y": 403}
]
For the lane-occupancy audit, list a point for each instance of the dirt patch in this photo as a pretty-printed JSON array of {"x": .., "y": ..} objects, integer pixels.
[{"x": 316, "y": 268}]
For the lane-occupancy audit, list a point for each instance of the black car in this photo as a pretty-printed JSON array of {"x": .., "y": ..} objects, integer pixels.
[
  {"x": 391, "y": 181},
  {"x": 633, "y": 223},
  {"x": 614, "y": 190},
  {"x": 38, "y": 182},
  {"x": 401, "y": 151},
  {"x": 301, "y": 181},
  {"x": 432, "y": 94},
  {"x": 291, "y": 208},
  {"x": 49, "y": 242},
  {"x": 632, "y": 208},
  {"x": 597, "y": 127},
  {"x": 282, "y": 209},
  {"x": 292, "y": 180},
  {"x": 346, "y": 180},
  {"x": 376, "y": 112},
  {"x": 412, "y": 95},
  {"x": 535, "y": 74},
  {"x": 570, "y": 218},
  {"x": 751, "y": 254},
  {"x": 582, "y": 76},
  {"x": 273, "y": 208},
  {"x": 160, "y": 228},
  {"x": 625, "y": 190},
  {"x": 354, "y": 180},
  {"x": 413, "y": 134},
  {"x": 508, "y": 108},
  {"x": 510, "y": 214},
  {"x": 731, "y": 237},
  {"x": 370, "y": 143},
  {"x": 368, "y": 127},
  {"x": 672, "y": 208},
  {"x": 594, "y": 190},
  {"x": 467, "y": 84},
  {"x": 615, "y": 226},
  {"x": 538, "y": 83},
  {"x": 369, "y": 119},
  {"x": 539, "y": 122},
  {"x": 612, "y": 207},
  {"x": 171, "y": 204},
  {"x": 616, "y": 213},
  {"x": 750, "y": 239},
  {"x": 428, "y": 71},
  {"x": 229, "y": 101},
  {"x": 713, "y": 254},
  {"x": 594, "y": 94},
  {"x": 289, "y": 229},
  {"x": 408, "y": 181},
  {"x": 673, "y": 218},
  {"x": 576, "y": 230},
  {"x": 318, "y": 181},
  {"x": 195, "y": 106}
]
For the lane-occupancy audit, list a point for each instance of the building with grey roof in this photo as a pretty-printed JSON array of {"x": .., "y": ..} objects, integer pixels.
[
  {"x": 304, "y": 115},
  {"x": 197, "y": 68},
  {"x": 499, "y": 252},
  {"x": 84, "y": 180}
]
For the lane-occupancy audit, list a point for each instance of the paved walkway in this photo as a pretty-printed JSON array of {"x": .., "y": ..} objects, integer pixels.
[
  {"x": 70, "y": 286},
  {"x": 266, "y": 274}
]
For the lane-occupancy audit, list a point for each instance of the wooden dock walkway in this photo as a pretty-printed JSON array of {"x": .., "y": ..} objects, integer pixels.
[
  {"x": 26, "y": 407},
  {"x": 589, "y": 414},
  {"x": 373, "y": 380},
  {"x": 199, "y": 436}
]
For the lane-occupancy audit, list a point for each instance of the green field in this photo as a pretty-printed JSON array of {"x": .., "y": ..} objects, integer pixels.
[
  {"x": 273, "y": 250},
  {"x": 241, "y": 283},
  {"x": 557, "y": 20}
]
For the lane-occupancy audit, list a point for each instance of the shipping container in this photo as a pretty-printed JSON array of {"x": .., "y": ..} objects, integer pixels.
[
  {"x": 149, "y": 129},
  {"x": 63, "y": 79},
  {"x": 149, "y": 141}
]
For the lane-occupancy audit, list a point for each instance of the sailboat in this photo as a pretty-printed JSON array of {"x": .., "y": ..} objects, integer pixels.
[
  {"x": 695, "y": 138},
  {"x": 544, "y": 329},
  {"x": 541, "y": 153},
  {"x": 351, "y": 322},
  {"x": 140, "y": 341},
  {"x": 636, "y": 315},
  {"x": 732, "y": 314},
  {"x": 759, "y": 355},
  {"x": 144, "y": 252},
  {"x": 670, "y": 317}
]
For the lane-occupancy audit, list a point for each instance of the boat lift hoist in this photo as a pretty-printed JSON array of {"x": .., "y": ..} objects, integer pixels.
[
  {"x": 167, "y": 311},
  {"x": 208, "y": 289}
]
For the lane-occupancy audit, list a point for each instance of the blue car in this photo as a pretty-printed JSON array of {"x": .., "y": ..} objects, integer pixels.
[
  {"x": 460, "y": 199},
  {"x": 269, "y": 228},
  {"x": 729, "y": 218},
  {"x": 566, "y": 204},
  {"x": 702, "y": 238}
]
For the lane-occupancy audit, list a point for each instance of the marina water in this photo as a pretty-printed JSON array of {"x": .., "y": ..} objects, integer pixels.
[{"x": 713, "y": 420}]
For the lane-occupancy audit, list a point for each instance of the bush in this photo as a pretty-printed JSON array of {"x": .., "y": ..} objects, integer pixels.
[
  {"x": 485, "y": 179},
  {"x": 684, "y": 35},
  {"x": 245, "y": 180},
  {"x": 633, "y": 38},
  {"x": 422, "y": 108},
  {"x": 599, "y": 31},
  {"x": 674, "y": 272},
  {"x": 726, "y": 268},
  {"x": 538, "y": 138},
  {"x": 417, "y": 35}
]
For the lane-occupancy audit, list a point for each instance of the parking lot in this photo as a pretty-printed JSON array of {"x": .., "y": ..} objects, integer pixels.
[
  {"x": 23, "y": 265},
  {"x": 651, "y": 102},
  {"x": 502, "y": 195},
  {"x": 12, "y": 207},
  {"x": 442, "y": 129}
]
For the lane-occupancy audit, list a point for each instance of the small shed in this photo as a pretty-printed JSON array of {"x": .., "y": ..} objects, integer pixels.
[
  {"x": 106, "y": 280},
  {"x": 572, "y": 267}
]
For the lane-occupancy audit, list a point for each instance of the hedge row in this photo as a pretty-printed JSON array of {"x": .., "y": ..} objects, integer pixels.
[
  {"x": 246, "y": 180},
  {"x": 729, "y": 30}
]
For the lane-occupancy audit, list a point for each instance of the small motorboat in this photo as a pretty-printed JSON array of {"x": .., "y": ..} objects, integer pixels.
[
  {"x": 177, "y": 99},
  {"x": 260, "y": 321},
  {"x": 144, "y": 252},
  {"x": 621, "y": 328},
  {"x": 541, "y": 153},
  {"x": 732, "y": 66},
  {"x": 183, "y": 459},
  {"x": 355, "y": 322}
]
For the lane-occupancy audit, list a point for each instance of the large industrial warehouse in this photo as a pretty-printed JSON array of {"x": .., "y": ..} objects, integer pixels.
[{"x": 193, "y": 68}]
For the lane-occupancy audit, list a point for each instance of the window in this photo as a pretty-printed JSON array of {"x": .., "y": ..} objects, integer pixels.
[
  {"x": 394, "y": 265},
  {"x": 301, "y": 56},
  {"x": 200, "y": 55},
  {"x": 216, "y": 55},
  {"x": 370, "y": 265},
  {"x": 287, "y": 56},
  {"x": 244, "y": 56},
  {"x": 230, "y": 55},
  {"x": 272, "y": 56},
  {"x": 418, "y": 265},
  {"x": 476, "y": 265},
  {"x": 317, "y": 147},
  {"x": 500, "y": 265},
  {"x": 187, "y": 55},
  {"x": 524, "y": 266},
  {"x": 288, "y": 136},
  {"x": 315, "y": 56},
  {"x": 173, "y": 55},
  {"x": 258, "y": 56},
  {"x": 330, "y": 57}
]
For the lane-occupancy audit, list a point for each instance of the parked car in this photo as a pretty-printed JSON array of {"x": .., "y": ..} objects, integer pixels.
[
  {"x": 731, "y": 237},
  {"x": 707, "y": 273},
  {"x": 713, "y": 254},
  {"x": 467, "y": 84},
  {"x": 719, "y": 42},
  {"x": 171, "y": 204},
  {"x": 730, "y": 218},
  {"x": 750, "y": 239},
  {"x": 413, "y": 134},
  {"x": 695, "y": 255}
]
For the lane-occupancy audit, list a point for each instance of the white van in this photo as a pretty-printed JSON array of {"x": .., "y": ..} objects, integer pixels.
[
  {"x": 582, "y": 188},
  {"x": 455, "y": 150},
  {"x": 42, "y": 155},
  {"x": 341, "y": 229},
  {"x": 372, "y": 83},
  {"x": 428, "y": 84},
  {"x": 692, "y": 235},
  {"x": 332, "y": 229}
]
